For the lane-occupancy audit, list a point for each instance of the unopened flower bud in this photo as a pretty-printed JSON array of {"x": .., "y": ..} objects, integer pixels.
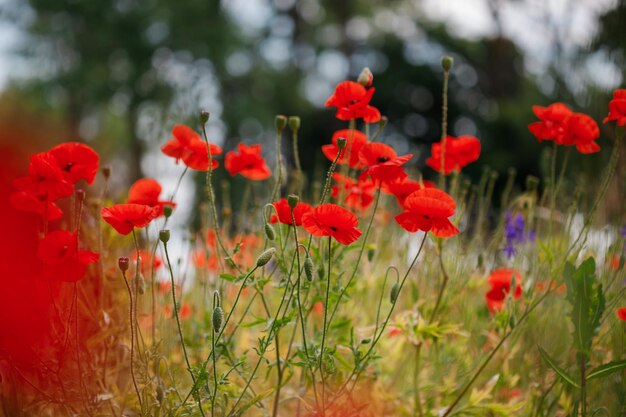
[
  {"x": 265, "y": 257},
  {"x": 218, "y": 319},
  {"x": 365, "y": 77},
  {"x": 280, "y": 122},
  {"x": 370, "y": 254},
  {"x": 446, "y": 63},
  {"x": 341, "y": 143},
  {"x": 293, "y": 200},
  {"x": 141, "y": 284},
  {"x": 123, "y": 263},
  {"x": 365, "y": 341},
  {"x": 204, "y": 117},
  {"x": 321, "y": 273},
  {"x": 383, "y": 122},
  {"x": 269, "y": 231},
  {"x": 164, "y": 236},
  {"x": 294, "y": 123},
  {"x": 395, "y": 290},
  {"x": 106, "y": 171},
  {"x": 308, "y": 268},
  {"x": 167, "y": 211}
]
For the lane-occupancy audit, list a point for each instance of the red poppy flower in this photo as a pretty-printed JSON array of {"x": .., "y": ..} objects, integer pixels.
[
  {"x": 552, "y": 122},
  {"x": 332, "y": 220},
  {"x": 350, "y": 153},
  {"x": 500, "y": 283},
  {"x": 359, "y": 195},
  {"x": 284, "y": 212},
  {"x": 125, "y": 217},
  {"x": 352, "y": 102},
  {"x": 76, "y": 161},
  {"x": 146, "y": 191},
  {"x": 61, "y": 257},
  {"x": 621, "y": 313},
  {"x": 459, "y": 152},
  {"x": 45, "y": 178},
  {"x": 617, "y": 108},
  {"x": 248, "y": 162},
  {"x": 382, "y": 161},
  {"x": 404, "y": 187},
  {"x": 428, "y": 209},
  {"x": 582, "y": 131},
  {"x": 189, "y": 146},
  {"x": 30, "y": 203}
]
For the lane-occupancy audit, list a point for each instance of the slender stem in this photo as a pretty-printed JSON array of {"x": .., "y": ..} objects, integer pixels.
[
  {"x": 444, "y": 129},
  {"x": 418, "y": 402},
  {"x": 180, "y": 330},
  {"x": 279, "y": 165},
  {"x": 553, "y": 186},
  {"x": 321, "y": 361},
  {"x": 443, "y": 284},
  {"x": 583, "y": 385},
  {"x": 132, "y": 339},
  {"x": 214, "y": 374}
]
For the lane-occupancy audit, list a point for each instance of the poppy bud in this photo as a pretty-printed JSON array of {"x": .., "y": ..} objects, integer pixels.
[
  {"x": 141, "y": 284},
  {"x": 293, "y": 200},
  {"x": 265, "y": 257},
  {"x": 167, "y": 211},
  {"x": 320, "y": 271},
  {"x": 446, "y": 63},
  {"x": 341, "y": 143},
  {"x": 123, "y": 263},
  {"x": 365, "y": 77},
  {"x": 280, "y": 122},
  {"x": 106, "y": 171},
  {"x": 308, "y": 268},
  {"x": 370, "y": 254},
  {"x": 383, "y": 122},
  {"x": 204, "y": 117},
  {"x": 294, "y": 123},
  {"x": 532, "y": 183},
  {"x": 395, "y": 290},
  {"x": 164, "y": 236},
  {"x": 218, "y": 319},
  {"x": 80, "y": 195},
  {"x": 269, "y": 231},
  {"x": 365, "y": 341}
]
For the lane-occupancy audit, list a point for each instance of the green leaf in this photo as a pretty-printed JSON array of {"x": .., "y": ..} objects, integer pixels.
[
  {"x": 229, "y": 277},
  {"x": 606, "y": 369},
  {"x": 584, "y": 293},
  {"x": 560, "y": 371}
]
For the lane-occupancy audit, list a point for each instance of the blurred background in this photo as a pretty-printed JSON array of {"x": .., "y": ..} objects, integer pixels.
[{"x": 118, "y": 74}]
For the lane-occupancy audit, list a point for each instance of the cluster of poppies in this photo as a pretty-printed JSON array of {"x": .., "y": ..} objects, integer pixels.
[{"x": 52, "y": 176}]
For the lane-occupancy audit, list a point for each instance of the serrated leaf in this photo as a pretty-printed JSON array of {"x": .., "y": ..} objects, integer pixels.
[
  {"x": 606, "y": 369},
  {"x": 560, "y": 371}
]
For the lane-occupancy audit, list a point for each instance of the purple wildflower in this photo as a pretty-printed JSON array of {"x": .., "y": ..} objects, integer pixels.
[{"x": 514, "y": 233}]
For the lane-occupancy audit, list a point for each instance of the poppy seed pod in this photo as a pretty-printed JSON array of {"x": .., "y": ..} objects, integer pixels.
[
  {"x": 447, "y": 62},
  {"x": 294, "y": 123},
  {"x": 308, "y": 268},
  {"x": 204, "y": 116},
  {"x": 218, "y": 319},
  {"x": 164, "y": 236},
  {"x": 167, "y": 211},
  {"x": 269, "y": 231},
  {"x": 265, "y": 257},
  {"x": 341, "y": 143},
  {"x": 395, "y": 290},
  {"x": 123, "y": 263},
  {"x": 293, "y": 200},
  {"x": 280, "y": 122},
  {"x": 365, "y": 77}
]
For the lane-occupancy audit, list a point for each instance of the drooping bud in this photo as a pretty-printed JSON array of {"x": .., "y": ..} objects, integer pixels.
[
  {"x": 123, "y": 263},
  {"x": 265, "y": 257},
  {"x": 447, "y": 62},
  {"x": 280, "y": 122},
  {"x": 167, "y": 211},
  {"x": 395, "y": 290},
  {"x": 365, "y": 77},
  {"x": 293, "y": 200},
  {"x": 204, "y": 117},
  {"x": 269, "y": 231},
  {"x": 218, "y": 319},
  {"x": 164, "y": 236},
  {"x": 294, "y": 123},
  {"x": 308, "y": 268},
  {"x": 341, "y": 143}
]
